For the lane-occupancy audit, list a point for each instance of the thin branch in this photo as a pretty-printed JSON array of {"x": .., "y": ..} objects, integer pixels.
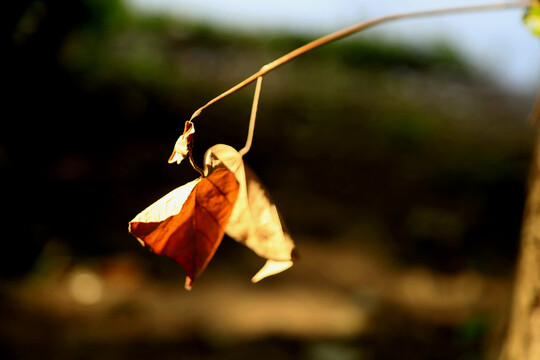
[
  {"x": 354, "y": 29},
  {"x": 194, "y": 165},
  {"x": 252, "y": 117}
]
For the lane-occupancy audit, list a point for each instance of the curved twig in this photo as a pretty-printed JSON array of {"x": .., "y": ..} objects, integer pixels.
[
  {"x": 252, "y": 117},
  {"x": 500, "y": 5}
]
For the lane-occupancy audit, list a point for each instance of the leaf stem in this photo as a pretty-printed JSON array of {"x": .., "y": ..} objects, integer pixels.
[
  {"x": 500, "y": 5},
  {"x": 252, "y": 117},
  {"x": 191, "y": 160}
]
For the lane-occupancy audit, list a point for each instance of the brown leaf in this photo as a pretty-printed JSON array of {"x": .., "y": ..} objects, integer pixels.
[
  {"x": 255, "y": 221},
  {"x": 188, "y": 224}
]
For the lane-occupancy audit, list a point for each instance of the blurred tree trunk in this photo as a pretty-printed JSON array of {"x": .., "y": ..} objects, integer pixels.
[{"x": 523, "y": 338}]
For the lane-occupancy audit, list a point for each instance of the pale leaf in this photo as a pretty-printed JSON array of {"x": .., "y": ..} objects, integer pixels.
[
  {"x": 167, "y": 206},
  {"x": 181, "y": 148},
  {"x": 271, "y": 267},
  {"x": 255, "y": 221}
]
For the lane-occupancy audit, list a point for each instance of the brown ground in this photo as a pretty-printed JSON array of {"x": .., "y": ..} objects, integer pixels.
[{"x": 340, "y": 301}]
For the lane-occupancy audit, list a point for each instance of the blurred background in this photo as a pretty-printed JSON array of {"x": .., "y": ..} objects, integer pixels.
[{"x": 398, "y": 159}]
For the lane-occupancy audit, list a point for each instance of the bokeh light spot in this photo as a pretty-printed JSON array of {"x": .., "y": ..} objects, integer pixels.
[{"x": 85, "y": 286}]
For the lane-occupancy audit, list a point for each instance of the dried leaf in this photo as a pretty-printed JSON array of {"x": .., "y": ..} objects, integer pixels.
[
  {"x": 188, "y": 224},
  {"x": 183, "y": 144},
  {"x": 154, "y": 215},
  {"x": 271, "y": 267},
  {"x": 255, "y": 221}
]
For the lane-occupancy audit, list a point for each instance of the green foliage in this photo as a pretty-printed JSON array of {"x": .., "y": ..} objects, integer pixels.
[
  {"x": 114, "y": 45},
  {"x": 532, "y": 18},
  {"x": 383, "y": 54}
]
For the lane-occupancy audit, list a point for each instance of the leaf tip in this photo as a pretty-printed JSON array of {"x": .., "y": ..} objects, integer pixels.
[
  {"x": 175, "y": 157},
  {"x": 141, "y": 242},
  {"x": 189, "y": 283},
  {"x": 271, "y": 267}
]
